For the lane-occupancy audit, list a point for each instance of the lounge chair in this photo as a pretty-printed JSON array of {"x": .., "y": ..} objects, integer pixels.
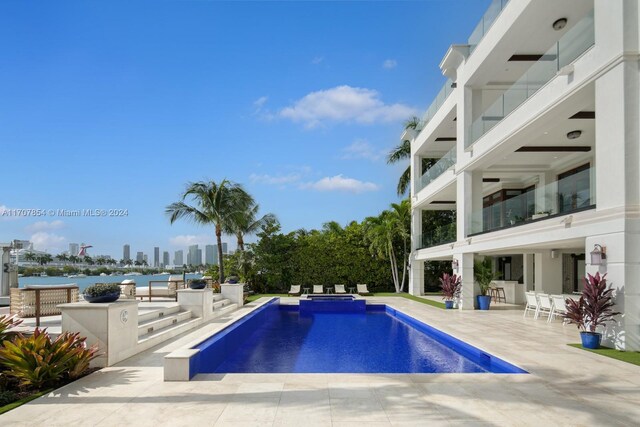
[
  {"x": 544, "y": 304},
  {"x": 339, "y": 289},
  {"x": 531, "y": 305},
  {"x": 318, "y": 289},
  {"x": 362, "y": 289},
  {"x": 559, "y": 307},
  {"x": 174, "y": 283},
  {"x": 294, "y": 291},
  {"x": 128, "y": 289}
]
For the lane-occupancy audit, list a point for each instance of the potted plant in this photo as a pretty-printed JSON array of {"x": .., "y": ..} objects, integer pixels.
[
  {"x": 232, "y": 279},
  {"x": 593, "y": 309},
  {"x": 484, "y": 275},
  {"x": 197, "y": 284},
  {"x": 450, "y": 285},
  {"x": 102, "y": 292}
]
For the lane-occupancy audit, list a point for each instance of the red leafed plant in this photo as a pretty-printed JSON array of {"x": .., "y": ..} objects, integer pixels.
[
  {"x": 595, "y": 306},
  {"x": 450, "y": 285}
]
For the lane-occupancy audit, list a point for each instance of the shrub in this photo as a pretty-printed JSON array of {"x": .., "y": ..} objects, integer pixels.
[
  {"x": 7, "y": 397},
  {"x": 595, "y": 306},
  {"x": 38, "y": 362},
  {"x": 6, "y": 323},
  {"x": 101, "y": 289},
  {"x": 450, "y": 285}
]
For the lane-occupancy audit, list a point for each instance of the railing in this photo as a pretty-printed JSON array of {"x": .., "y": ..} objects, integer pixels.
[
  {"x": 442, "y": 96},
  {"x": 438, "y": 169},
  {"x": 572, "y": 44},
  {"x": 493, "y": 11},
  {"x": 562, "y": 197},
  {"x": 438, "y": 236}
]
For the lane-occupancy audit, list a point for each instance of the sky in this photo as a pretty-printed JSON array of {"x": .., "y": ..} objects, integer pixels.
[{"x": 114, "y": 106}]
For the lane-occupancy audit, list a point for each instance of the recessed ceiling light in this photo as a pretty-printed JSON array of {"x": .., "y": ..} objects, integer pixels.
[
  {"x": 546, "y": 133},
  {"x": 559, "y": 24},
  {"x": 574, "y": 134}
]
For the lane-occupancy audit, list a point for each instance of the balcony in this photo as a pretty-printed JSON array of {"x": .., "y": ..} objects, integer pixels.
[
  {"x": 441, "y": 166},
  {"x": 442, "y": 96},
  {"x": 439, "y": 236},
  {"x": 572, "y": 44},
  {"x": 571, "y": 194},
  {"x": 489, "y": 17}
]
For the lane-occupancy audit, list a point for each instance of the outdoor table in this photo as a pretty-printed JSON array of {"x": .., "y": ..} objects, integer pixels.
[{"x": 352, "y": 290}]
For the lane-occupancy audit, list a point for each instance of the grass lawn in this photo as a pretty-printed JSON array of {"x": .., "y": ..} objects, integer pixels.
[
  {"x": 377, "y": 294},
  {"x": 632, "y": 357},
  {"x": 254, "y": 297},
  {"x": 22, "y": 401}
]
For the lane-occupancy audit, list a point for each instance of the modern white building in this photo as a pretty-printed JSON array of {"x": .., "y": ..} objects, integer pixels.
[{"x": 537, "y": 134}]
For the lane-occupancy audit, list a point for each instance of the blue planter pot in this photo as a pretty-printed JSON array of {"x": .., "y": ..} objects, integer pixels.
[
  {"x": 484, "y": 301},
  {"x": 198, "y": 285},
  {"x": 102, "y": 298},
  {"x": 591, "y": 340},
  {"x": 448, "y": 304}
]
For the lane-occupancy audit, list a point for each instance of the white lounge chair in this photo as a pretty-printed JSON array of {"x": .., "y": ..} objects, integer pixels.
[
  {"x": 295, "y": 290},
  {"x": 339, "y": 289},
  {"x": 559, "y": 307},
  {"x": 544, "y": 305},
  {"x": 531, "y": 305},
  {"x": 128, "y": 289},
  {"x": 362, "y": 289},
  {"x": 174, "y": 283},
  {"x": 318, "y": 289}
]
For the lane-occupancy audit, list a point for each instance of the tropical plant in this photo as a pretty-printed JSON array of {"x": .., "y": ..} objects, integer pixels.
[
  {"x": 450, "y": 285},
  {"x": 7, "y": 323},
  {"x": 595, "y": 306},
  {"x": 246, "y": 222},
  {"x": 220, "y": 204},
  {"x": 38, "y": 362},
  {"x": 101, "y": 289},
  {"x": 484, "y": 275}
]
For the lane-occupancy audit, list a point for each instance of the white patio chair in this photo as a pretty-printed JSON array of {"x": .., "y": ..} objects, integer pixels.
[
  {"x": 544, "y": 305},
  {"x": 339, "y": 289},
  {"x": 531, "y": 305},
  {"x": 318, "y": 289},
  {"x": 559, "y": 307}
]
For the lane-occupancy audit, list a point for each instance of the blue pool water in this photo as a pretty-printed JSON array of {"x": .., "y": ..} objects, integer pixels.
[{"x": 280, "y": 339}]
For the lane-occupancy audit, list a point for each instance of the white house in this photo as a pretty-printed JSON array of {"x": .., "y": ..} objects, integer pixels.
[{"x": 538, "y": 134}]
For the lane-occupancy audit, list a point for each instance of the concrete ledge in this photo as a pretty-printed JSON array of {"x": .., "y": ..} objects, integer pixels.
[{"x": 177, "y": 364}]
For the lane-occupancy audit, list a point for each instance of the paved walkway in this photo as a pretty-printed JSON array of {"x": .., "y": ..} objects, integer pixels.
[{"x": 566, "y": 386}]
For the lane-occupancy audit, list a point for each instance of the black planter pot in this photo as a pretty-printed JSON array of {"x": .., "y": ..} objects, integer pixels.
[
  {"x": 198, "y": 285},
  {"x": 102, "y": 298}
]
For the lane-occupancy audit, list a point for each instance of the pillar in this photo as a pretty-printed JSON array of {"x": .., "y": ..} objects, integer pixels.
[
  {"x": 469, "y": 289},
  {"x": 416, "y": 277},
  {"x": 527, "y": 271}
]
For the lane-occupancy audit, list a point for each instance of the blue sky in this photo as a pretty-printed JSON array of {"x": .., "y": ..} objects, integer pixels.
[{"x": 118, "y": 104}]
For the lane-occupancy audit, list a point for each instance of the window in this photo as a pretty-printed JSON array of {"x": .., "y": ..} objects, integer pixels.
[{"x": 574, "y": 189}]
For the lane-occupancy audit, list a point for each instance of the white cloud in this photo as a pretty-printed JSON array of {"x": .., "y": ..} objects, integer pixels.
[
  {"x": 190, "y": 239},
  {"x": 361, "y": 149},
  {"x": 317, "y": 60},
  {"x": 45, "y": 226},
  {"x": 389, "y": 64},
  {"x": 274, "y": 179},
  {"x": 341, "y": 183},
  {"x": 47, "y": 241},
  {"x": 344, "y": 104},
  {"x": 259, "y": 103}
]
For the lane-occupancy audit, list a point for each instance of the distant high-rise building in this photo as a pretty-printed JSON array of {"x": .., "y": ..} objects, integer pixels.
[
  {"x": 165, "y": 258},
  {"x": 198, "y": 257},
  {"x": 192, "y": 256},
  {"x": 178, "y": 258},
  {"x": 139, "y": 257},
  {"x": 74, "y": 248},
  {"x": 224, "y": 248},
  {"x": 156, "y": 256},
  {"x": 126, "y": 252},
  {"x": 145, "y": 258},
  {"x": 209, "y": 256}
]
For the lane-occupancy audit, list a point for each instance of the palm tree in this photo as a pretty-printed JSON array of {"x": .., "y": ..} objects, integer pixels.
[
  {"x": 62, "y": 258},
  {"x": 220, "y": 204},
  {"x": 402, "y": 152},
  {"x": 246, "y": 223},
  {"x": 332, "y": 227},
  {"x": 29, "y": 256},
  {"x": 385, "y": 233}
]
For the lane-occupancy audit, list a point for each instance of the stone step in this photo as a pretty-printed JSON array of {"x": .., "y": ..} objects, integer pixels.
[
  {"x": 145, "y": 315},
  {"x": 217, "y": 305},
  {"x": 217, "y": 297},
  {"x": 224, "y": 310},
  {"x": 160, "y": 323},
  {"x": 158, "y": 336}
]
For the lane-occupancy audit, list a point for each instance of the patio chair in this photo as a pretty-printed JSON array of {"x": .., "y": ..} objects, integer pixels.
[
  {"x": 362, "y": 289},
  {"x": 174, "y": 283},
  {"x": 544, "y": 305},
  {"x": 558, "y": 307},
  {"x": 318, "y": 289},
  {"x": 128, "y": 289},
  {"x": 339, "y": 289},
  {"x": 531, "y": 305},
  {"x": 294, "y": 291}
]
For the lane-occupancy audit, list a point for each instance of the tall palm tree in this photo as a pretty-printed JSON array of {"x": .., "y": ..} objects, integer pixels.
[
  {"x": 246, "y": 223},
  {"x": 220, "y": 204},
  {"x": 332, "y": 227},
  {"x": 402, "y": 152}
]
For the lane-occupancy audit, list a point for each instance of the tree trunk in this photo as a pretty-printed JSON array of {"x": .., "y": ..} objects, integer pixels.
[
  {"x": 240, "y": 242},
  {"x": 220, "y": 260}
]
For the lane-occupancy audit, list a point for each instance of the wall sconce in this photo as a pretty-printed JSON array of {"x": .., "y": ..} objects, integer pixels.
[
  {"x": 598, "y": 254},
  {"x": 454, "y": 265}
]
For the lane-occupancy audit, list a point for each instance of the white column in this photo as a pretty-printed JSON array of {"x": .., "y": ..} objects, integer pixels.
[
  {"x": 234, "y": 292},
  {"x": 469, "y": 287},
  {"x": 469, "y": 203},
  {"x": 527, "y": 271},
  {"x": 416, "y": 277}
]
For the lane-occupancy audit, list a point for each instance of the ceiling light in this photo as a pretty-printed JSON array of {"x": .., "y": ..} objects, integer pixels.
[
  {"x": 574, "y": 134},
  {"x": 560, "y": 24}
]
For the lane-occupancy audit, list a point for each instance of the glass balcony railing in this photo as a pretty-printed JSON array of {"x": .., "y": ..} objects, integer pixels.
[
  {"x": 572, "y": 44},
  {"x": 442, "y": 96},
  {"x": 439, "y": 236},
  {"x": 571, "y": 194},
  {"x": 438, "y": 169},
  {"x": 493, "y": 11}
]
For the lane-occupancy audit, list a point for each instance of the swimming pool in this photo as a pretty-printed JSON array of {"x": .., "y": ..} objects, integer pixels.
[{"x": 284, "y": 338}]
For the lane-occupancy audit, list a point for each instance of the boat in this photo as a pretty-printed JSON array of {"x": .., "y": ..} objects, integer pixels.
[
  {"x": 133, "y": 273},
  {"x": 103, "y": 274}
]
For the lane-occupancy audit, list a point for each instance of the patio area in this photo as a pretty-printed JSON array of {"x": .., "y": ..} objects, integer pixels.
[{"x": 565, "y": 386}]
